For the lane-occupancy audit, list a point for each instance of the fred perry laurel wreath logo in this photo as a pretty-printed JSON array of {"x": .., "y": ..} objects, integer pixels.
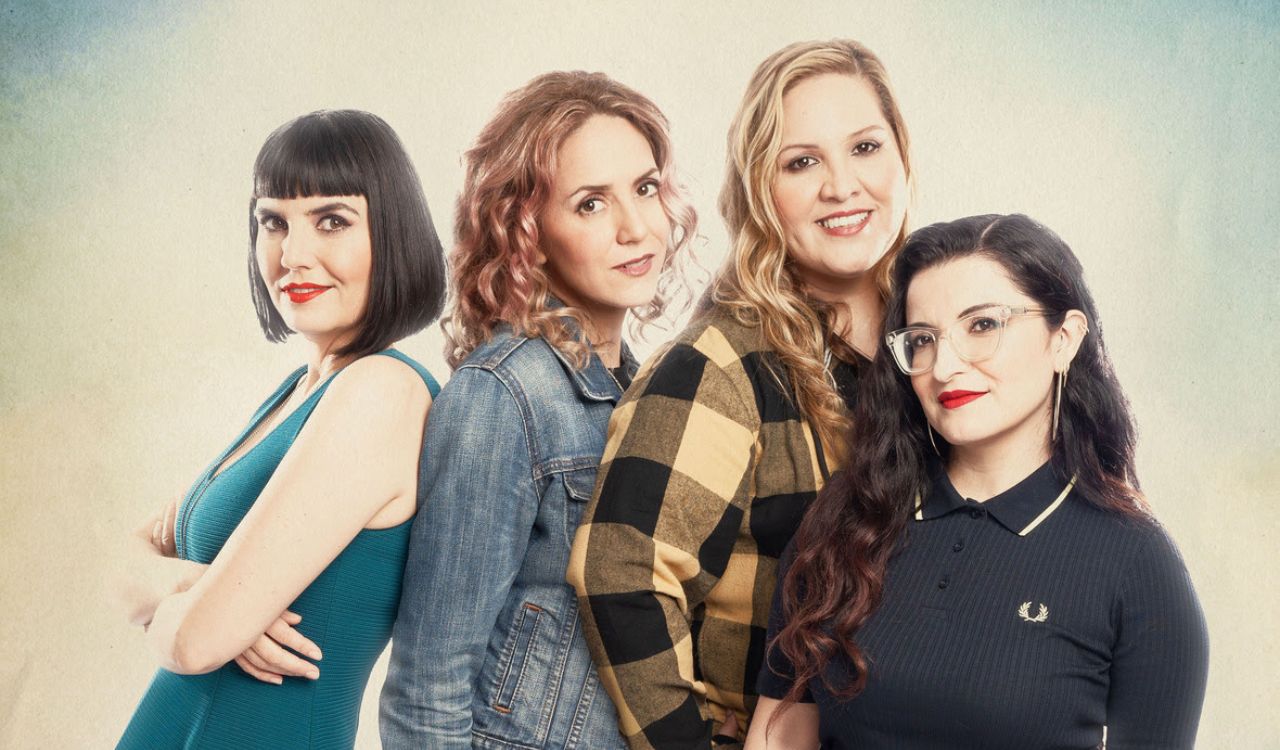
[{"x": 1025, "y": 613}]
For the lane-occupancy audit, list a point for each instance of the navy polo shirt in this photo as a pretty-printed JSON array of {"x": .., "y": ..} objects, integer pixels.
[{"x": 1031, "y": 620}]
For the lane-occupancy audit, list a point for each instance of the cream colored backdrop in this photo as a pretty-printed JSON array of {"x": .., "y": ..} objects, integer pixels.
[{"x": 129, "y": 352}]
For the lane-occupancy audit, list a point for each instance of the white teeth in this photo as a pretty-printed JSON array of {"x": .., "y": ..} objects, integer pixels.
[{"x": 844, "y": 221}]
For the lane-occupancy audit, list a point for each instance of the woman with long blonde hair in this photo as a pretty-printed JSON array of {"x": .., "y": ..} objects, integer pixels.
[
  {"x": 720, "y": 446},
  {"x": 570, "y": 220}
]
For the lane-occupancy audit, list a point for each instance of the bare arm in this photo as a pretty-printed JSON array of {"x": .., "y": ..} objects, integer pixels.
[
  {"x": 357, "y": 453},
  {"x": 792, "y": 728},
  {"x": 149, "y": 569}
]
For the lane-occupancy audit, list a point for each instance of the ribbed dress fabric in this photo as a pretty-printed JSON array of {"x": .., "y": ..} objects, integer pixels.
[{"x": 348, "y": 611}]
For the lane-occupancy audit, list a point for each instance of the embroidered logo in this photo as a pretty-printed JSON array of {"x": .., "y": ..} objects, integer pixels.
[{"x": 1025, "y": 613}]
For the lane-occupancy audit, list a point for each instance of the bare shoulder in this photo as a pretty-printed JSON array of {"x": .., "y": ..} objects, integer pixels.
[{"x": 380, "y": 385}]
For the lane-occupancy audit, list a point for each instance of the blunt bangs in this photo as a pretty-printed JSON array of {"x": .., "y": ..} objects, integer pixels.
[{"x": 310, "y": 156}]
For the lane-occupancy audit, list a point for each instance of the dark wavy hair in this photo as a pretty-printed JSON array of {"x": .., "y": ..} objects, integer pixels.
[
  {"x": 844, "y": 543},
  {"x": 349, "y": 152}
]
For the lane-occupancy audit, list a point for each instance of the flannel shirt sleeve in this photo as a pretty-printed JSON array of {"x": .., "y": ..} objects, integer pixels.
[{"x": 670, "y": 499}]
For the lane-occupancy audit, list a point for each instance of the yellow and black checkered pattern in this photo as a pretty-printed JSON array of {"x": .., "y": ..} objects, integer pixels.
[{"x": 707, "y": 471}]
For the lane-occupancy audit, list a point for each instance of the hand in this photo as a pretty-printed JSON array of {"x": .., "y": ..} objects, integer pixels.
[
  {"x": 730, "y": 726},
  {"x": 269, "y": 661},
  {"x": 162, "y": 529}
]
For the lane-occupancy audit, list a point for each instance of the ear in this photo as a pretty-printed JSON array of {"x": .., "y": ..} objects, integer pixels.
[{"x": 1068, "y": 338}]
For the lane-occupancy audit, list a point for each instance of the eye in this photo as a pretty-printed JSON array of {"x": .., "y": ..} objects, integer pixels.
[
  {"x": 648, "y": 188},
  {"x": 865, "y": 148},
  {"x": 592, "y": 205},
  {"x": 332, "y": 223},
  {"x": 272, "y": 223},
  {"x": 980, "y": 324},
  {"x": 801, "y": 163},
  {"x": 920, "y": 339}
]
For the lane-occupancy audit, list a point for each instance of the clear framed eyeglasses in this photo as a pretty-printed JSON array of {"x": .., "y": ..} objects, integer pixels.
[{"x": 973, "y": 338}]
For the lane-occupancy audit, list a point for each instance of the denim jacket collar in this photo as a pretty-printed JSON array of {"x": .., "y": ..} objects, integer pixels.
[{"x": 593, "y": 381}]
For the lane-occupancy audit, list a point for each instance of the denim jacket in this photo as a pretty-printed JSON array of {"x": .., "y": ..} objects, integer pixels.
[{"x": 487, "y": 650}]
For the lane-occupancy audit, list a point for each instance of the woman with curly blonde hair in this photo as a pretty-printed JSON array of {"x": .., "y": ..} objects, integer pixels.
[
  {"x": 720, "y": 446},
  {"x": 570, "y": 218}
]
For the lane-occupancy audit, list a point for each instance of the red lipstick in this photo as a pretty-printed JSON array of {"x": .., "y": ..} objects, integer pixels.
[
  {"x": 957, "y": 399},
  {"x": 299, "y": 293}
]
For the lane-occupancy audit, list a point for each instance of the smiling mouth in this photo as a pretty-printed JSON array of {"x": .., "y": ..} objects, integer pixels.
[
  {"x": 844, "y": 221},
  {"x": 299, "y": 293},
  {"x": 637, "y": 267},
  {"x": 956, "y": 399}
]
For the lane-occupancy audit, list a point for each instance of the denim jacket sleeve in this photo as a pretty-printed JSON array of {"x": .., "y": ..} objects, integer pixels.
[{"x": 478, "y": 507}]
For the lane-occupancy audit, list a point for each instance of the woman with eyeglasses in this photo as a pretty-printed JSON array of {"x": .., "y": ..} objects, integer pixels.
[{"x": 985, "y": 572}]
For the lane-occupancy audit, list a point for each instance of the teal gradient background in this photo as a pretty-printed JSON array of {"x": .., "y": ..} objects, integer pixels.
[{"x": 1146, "y": 135}]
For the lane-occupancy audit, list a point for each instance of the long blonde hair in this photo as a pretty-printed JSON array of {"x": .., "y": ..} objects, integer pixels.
[
  {"x": 494, "y": 262},
  {"x": 757, "y": 283}
]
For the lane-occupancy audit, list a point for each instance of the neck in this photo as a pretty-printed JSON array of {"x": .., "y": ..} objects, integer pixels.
[
  {"x": 983, "y": 471},
  {"x": 605, "y": 337},
  {"x": 859, "y": 310},
  {"x": 603, "y": 326},
  {"x": 322, "y": 361}
]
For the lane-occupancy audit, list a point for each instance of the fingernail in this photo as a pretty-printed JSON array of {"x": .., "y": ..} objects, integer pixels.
[
  {"x": 278, "y": 680},
  {"x": 315, "y": 653},
  {"x": 313, "y": 674}
]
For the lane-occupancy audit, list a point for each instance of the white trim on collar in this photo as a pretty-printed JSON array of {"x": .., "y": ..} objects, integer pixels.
[{"x": 1047, "y": 511}]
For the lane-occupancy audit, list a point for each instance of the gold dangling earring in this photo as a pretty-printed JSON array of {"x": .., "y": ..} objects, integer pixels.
[
  {"x": 929, "y": 427},
  {"x": 1057, "y": 401}
]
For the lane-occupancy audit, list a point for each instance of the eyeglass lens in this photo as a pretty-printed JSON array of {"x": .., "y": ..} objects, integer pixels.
[{"x": 973, "y": 338}]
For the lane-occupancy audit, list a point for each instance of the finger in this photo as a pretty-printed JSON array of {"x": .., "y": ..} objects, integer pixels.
[
  {"x": 257, "y": 661},
  {"x": 730, "y": 725},
  {"x": 281, "y": 632},
  {"x": 156, "y": 532},
  {"x": 284, "y": 662},
  {"x": 292, "y": 618},
  {"x": 258, "y": 674},
  {"x": 166, "y": 526}
]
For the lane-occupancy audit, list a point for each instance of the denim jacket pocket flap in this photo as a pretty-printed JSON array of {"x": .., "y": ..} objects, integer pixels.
[{"x": 580, "y": 483}]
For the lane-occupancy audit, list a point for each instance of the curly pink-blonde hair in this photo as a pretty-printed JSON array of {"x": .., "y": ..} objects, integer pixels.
[{"x": 496, "y": 275}]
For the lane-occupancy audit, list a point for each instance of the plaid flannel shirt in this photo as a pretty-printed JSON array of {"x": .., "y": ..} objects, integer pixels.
[{"x": 706, "y": 473}]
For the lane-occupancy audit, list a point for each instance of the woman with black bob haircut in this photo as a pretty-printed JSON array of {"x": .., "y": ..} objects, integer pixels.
[
  {"x": 286, "y": 555},
  {"x": 407, "y": 290},
  {"x": 986, "y": 571}
]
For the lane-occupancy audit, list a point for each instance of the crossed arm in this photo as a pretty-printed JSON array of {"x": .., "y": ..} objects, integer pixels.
[{"x": 357, "y": 454}]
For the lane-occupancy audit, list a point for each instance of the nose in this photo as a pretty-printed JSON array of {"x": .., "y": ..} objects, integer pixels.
[
  {"x": 296, "y": 251},
  {"x": 841, "y": 181},
  {"x": 632, "y": 227},
  {"x": 946, "y": 363}
]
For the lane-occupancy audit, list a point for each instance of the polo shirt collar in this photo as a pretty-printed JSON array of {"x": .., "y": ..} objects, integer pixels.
[{"x": 1020, "y": 509}]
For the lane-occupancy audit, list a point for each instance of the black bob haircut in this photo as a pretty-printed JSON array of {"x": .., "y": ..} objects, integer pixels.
[{"x": 349, "y": 152}]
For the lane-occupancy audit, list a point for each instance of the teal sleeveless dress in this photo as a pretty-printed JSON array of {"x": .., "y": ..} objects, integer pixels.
[{"x": 348, "y": 611}]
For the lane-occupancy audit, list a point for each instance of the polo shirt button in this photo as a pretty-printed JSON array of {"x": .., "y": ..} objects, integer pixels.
[
  {"x": 975, "y": 512},
  {"x": 957, "y": 546},
  {"x": 943, "y": 583}
]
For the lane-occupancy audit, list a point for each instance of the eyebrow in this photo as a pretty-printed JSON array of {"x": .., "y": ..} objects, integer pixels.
[
  {"x": 967, "y": 311},
  {"x": 854, "y": 135},
  {"x": 605, "y": 188},
  {"x": 326, "y": 208},
  {"x": 335, "y": 206}
]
